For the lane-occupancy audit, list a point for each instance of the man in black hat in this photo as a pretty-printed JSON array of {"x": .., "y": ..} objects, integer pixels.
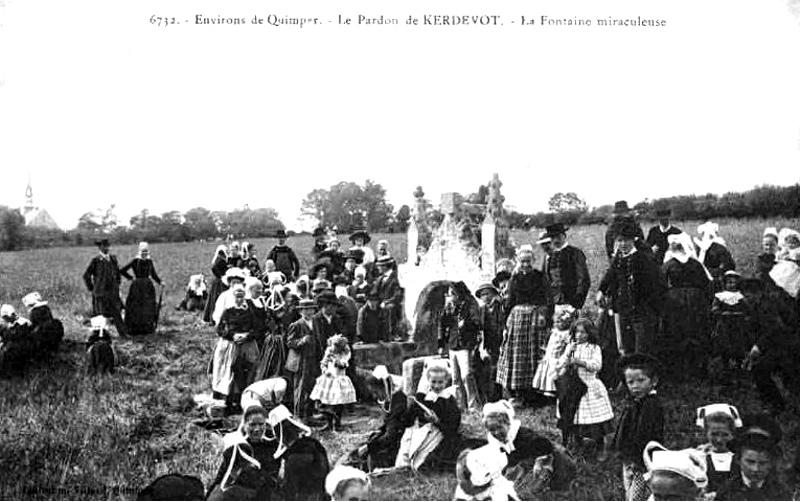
[
  {"x": 658, "y": 234},
  {"x": 284, "y": 258},
  {"x": 353, "y": 259},
  {"x": 102, "y": 278},
  {"x": 327, "y": 321},
  {"x": 635, "y": 288},
  {"x": 621, "y": 214},
  {"x": 566, "y": 269}
]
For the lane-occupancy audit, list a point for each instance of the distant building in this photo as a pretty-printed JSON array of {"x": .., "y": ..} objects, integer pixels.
[{"x": 34, "y": 216}]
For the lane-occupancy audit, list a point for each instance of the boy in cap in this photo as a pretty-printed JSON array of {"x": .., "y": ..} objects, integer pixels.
[
  {"x": 306, "y": 347},
  {"x": 492, "y": 319},
  {"x": 102, "y": 279},
  {"x": 284, "y": 257}
]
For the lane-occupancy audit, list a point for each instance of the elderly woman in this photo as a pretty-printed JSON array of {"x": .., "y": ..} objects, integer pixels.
[
  {"x": 219, "y": 265},
  {"x": 141, "y": 310},
  {"x": 433, "y": 419},
  {"x": 236, "y": 352},
  {"x": 232, "y": 277},
  {"x": 249, "y": 470},
  {"x": 528, "y": 303},
  {"x": 685, "y": 324}
]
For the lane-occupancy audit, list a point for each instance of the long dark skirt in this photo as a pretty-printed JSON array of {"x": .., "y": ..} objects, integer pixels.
[
  {"x": 685, "y": 340},
  {"x": 140, "y": 307},
  {"x": 215, "y": 289},
  {"x": 273, "y": 358}
]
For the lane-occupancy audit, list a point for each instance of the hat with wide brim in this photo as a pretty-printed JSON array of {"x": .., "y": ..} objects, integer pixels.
[
  {"x": 321, "y": 285},
  {"x": 281, "y": 234},
  {"x": 326, "y": 265},
  {"x": 307, "y": 304},
  {"x": 319, "y": 232},
  {"x": 360, "y": 233},
  {"x": 233, "y": 273},
  {"x": 620, "y": 207},
  {"x": 102, "y": 242},
  {"x": 386, "y": 261},
  {"x": 544, "y": 239},
  {"x": 626, "y": 229},
  {"x": 327, "y": 297},
  {"x": 663, "y": 212},
  {"x": 555, "y": 229}
]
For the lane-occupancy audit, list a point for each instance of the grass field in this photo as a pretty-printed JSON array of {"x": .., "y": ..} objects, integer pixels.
[{"x": 64, "y": 436}]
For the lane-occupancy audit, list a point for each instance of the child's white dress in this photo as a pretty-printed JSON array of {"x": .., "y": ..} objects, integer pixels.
[
  {"x": 334, "y": 386},
  {"x": 544, "y": 380},
  {"x": 595, "y": 406}
]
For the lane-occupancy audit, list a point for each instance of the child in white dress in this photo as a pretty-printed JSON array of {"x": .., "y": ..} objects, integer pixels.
[
  {"x": 594, "y": 417},
  {"x": 544, "y": 380},
  {"x": 334, "y": 389}
]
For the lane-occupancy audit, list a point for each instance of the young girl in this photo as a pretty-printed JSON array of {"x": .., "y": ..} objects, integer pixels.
[
  {"x": 100, "y": 356},
  {"x": 334, "y": 389},
  {"x": 545, "y": 378},
  {"x": 730, "y": 338},
  {"x": 720, "y": 422},
  {"x": 594, "y": 416}
]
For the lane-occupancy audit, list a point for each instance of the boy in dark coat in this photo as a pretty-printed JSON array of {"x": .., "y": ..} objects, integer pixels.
[
  {"x": 642, "y": 421},
  {"x": 566, "y": 268},
  {"x": 306, "y": 346},
  {"x": 388, "y": 288}
]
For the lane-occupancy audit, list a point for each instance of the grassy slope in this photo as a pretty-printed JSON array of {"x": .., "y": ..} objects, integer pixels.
[{"x": 60, "y": 430}]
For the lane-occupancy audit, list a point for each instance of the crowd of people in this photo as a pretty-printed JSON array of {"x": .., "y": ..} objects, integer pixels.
[{"x": 283, "y": 360}]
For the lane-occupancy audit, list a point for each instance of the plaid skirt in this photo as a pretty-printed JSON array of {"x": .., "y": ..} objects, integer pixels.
[{"x": 523, "y": 347}]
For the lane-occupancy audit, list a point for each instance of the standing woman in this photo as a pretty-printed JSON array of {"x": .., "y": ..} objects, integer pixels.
[
  {"x": 525, "y": 339},
  {"x": 219, "y": 265},
  {"x": 141, "y": 310},
  {"x": 685, "y": 338}
]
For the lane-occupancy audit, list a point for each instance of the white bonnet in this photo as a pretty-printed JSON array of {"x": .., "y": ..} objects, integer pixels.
[
  {"x": 342, "y": 473},
  {"x": 502, "y": 407},
  {"x": 685, "y": 463},
  {"x": 711, "y": 409}
]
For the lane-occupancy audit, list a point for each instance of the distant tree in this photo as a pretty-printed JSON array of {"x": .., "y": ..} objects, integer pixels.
[
  {"x": 348, "y": 205},
  {"x": 567, "y": 202},
  {"x": 11, "y": 226},
  {"x": 200, "y": 223}
]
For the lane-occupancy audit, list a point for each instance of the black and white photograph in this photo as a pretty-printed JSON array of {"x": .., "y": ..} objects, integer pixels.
[{"x": 400, "y": 250}]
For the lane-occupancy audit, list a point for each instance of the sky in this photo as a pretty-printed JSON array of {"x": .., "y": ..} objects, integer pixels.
[{"x": 100, "y": 107}]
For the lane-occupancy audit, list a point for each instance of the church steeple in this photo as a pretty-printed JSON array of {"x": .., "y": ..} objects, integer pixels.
[{"x": 28, "y": 197}]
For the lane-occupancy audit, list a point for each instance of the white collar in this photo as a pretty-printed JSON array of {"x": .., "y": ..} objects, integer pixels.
[
  {"x": 309, "y": 322},
  {"x": 556, "y": 249},
  {"x": 633, "y": 250},
  {"x": 664, "y": 229},
  {"x": 444, "y": 394},
  {"x": 749, "y": 483},
  {"x": 508, "y": 446}
]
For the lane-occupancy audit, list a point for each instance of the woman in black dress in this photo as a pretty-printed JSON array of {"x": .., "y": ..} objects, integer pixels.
[{"x": 141, "y": 311}]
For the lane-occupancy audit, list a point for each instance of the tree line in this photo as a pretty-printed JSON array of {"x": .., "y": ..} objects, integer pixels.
[{"x": 349, "y": 205}]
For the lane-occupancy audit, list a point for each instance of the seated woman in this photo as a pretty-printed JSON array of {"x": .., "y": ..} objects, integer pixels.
[
  {"x": 533, "y": 461},
  {"x": 433, "y": 419},
  {"x": 46, "y": 330},
  {"x": 196, "y": 294},
  {"x": 304, "y": 461},
  {"x": 248, "y": 470},
  {"x": 380, "y": 450}
]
